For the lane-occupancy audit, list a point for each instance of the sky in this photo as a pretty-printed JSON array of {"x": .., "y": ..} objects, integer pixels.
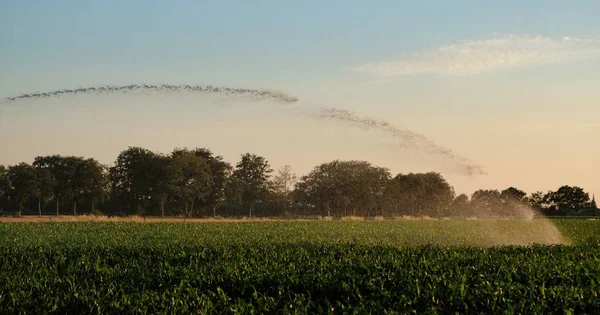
[{"x": 508, "y": 85}]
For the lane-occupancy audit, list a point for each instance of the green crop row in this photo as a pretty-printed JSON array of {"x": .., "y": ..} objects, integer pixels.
[
  {"x": 388, "y": 233},
  {"x": 288, "y": 267}
]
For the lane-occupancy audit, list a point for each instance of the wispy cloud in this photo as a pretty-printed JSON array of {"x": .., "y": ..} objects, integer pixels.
[{"x": 471, "y": 57}]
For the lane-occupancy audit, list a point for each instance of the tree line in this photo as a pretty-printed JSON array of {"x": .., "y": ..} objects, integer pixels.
[{"x": 197, "y": 183}]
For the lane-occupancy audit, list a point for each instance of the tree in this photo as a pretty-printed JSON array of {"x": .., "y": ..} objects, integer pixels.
[
  {"x": 93, "y": 183},
  {"x": 513, "y": 194},
  {"x": 253, "y": 173},
  {"x": 368, "y": 185},
  {"x": 5, "y": 186},
  {"x": 283, "y": 184},
  {"x": 567, "y": 198},
  {"x": 60, "y": 175},
  {"x": 284, "y": 180},
  {"x": 194, "y": 180},
  {"x": 334, "y": 188},
  {"x": 131, "y": 178},
  {"x": 420, "y": 194},
  {"x": 46, "y": 186},
  {"x": 404, "y": 192},
  {"x": 219, "y": 172},
  {"x": 536, "y": 200},
  {"x": 65, "y": 176},
  {"x": 233, "y": 194},
  {"x": 69, "y": 179},
  {"x": 165, "y": 175},
  {"x": 438, "y": 194},
  {"x": 24, "y": 181},
  {"x": 78, "y": 179},
  {"x": 514, "y": 201},
  {"x": 486, "y": 202},
  {"x": 460, "y": 205}
]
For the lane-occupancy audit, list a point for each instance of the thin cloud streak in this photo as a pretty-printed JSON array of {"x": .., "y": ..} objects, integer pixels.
[{"x": 472, "y": 57}]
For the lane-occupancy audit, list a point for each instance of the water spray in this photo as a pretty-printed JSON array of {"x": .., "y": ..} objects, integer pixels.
[
  {"x": 112, "y": 89},
  {"x": 407, "y": 139}
]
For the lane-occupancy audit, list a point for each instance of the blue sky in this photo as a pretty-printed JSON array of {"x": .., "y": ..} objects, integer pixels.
[
  {"x": 90, "y": 42},
  {"x": 485, "y": 79}
]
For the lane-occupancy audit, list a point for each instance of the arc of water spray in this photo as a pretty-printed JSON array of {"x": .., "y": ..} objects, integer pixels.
[
  {"x": 408, "y": 139},
  {"x": 111, "y": 89}
]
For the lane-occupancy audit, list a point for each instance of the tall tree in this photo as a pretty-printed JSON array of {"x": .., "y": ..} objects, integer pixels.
[
  {"x": 343, "y": 187},
  {"x": 285, "y": 179},
  {"x": 420, "y": 194},
  {"x": 438, "y": 194},
  {"x": 194, "y": 181},
  {"x": 93, "y": 182},
  {"x": 131, "y": 178},
  {"x": 24, "y": 180},
  {"x": 76, "y": 167},
  {"x": 220, "y": 173},
  {"x": 65, "y": 177},
  {"x": 46, "y": 186},
  {"x": 404, "y": 194},
  {"x": 283, "y": 184},
  {"x": 253, "y": 172},
  {"x": 5, "y": 187},
  {"x": 568, "y": 198},
  {"x": 536, "y": 200},
  {"x": 486, "y": 202},
  {"x": 513, "y": 194},
  {"x": 514, "y": 201},
  {"x": 58, "y": 169},
  {"x": 460, "y": 206},
  {"x": 233, "y": 194},
  {"x": 164, "y": 178}
]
